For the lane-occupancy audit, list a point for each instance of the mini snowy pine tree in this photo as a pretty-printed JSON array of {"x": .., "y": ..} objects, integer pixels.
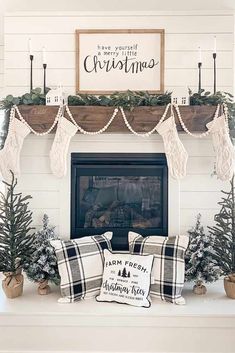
[
  {"x": 42, "y": 266},
  {"x": 201, "y": 265}
]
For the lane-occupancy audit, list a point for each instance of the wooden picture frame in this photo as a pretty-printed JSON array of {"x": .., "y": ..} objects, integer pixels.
[{"x": 109, "y": 60}]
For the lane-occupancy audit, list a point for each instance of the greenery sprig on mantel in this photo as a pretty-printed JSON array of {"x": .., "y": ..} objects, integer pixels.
[
  {"x": 207, "y": 98},
  {"x": 35, "y": 97},
  {"x": 128, "y": 99}
]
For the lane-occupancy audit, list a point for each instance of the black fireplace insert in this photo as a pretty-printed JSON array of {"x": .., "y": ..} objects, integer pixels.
[{"x": 119, "y": 192}]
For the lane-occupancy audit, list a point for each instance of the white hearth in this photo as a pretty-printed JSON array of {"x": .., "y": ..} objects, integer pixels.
[{"x": 206, "y": 324}]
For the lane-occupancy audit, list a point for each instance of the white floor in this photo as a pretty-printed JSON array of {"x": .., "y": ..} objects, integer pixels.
[{"x": 34, "y": 323}]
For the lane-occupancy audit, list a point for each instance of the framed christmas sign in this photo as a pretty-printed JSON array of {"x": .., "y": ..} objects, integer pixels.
[{"x": 118, "y": 60}]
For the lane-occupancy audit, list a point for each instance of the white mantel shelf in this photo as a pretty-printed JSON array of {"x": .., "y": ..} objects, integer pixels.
[{"x": 205, "y": 324}]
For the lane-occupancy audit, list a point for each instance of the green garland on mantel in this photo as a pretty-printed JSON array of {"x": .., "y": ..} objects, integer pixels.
[{"x": 127, "y": 100}]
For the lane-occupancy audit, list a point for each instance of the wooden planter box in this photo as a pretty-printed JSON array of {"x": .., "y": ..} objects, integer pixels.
[{"x": 142, "y": 119}]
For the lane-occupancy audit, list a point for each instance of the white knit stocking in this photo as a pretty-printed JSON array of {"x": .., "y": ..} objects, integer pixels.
[
  {"x": 224, "y": 149},
  {"x": 59, "y": 150},
  {"x": 10, "y": 154},
  {"x": 175, "y": 152}
]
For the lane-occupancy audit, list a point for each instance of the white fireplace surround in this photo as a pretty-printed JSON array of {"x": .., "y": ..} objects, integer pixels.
[{"x": 198, "y": 192}]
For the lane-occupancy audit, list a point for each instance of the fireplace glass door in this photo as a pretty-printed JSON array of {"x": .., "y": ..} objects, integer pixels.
[{"x": 118, "y": 193}]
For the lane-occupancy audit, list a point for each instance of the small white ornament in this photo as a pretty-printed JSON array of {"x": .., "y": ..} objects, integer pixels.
[
  {"x": 56, "y": 97},
  {"x": 180, "y": 96}
]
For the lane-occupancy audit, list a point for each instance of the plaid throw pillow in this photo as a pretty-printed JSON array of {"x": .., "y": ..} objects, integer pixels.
[
  {"x": 80, "y": 263},
  {"x": 168, "y": 266}
]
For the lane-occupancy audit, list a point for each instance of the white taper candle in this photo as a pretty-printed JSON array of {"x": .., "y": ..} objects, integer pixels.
[
  {"x": 199, "y": 55},
  {"x": 215, "y": 45},
  {"x": 44, "y": 61},
  {"x": 30, "y": 46}
]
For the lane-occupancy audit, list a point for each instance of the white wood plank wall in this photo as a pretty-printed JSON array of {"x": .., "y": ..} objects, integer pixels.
[
  {"x": 199, "y": 192},
  {"x": 185, "y": 31},
  {"x": 1, "y": 52}
]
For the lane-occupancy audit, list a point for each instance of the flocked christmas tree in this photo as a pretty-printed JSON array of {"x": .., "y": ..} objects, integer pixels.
[
  {"x": 42, "y": 267},
  {"x": 201, "y": 265},
  {"x": 224, "y": 233},
  {"x": 16, "y": 238}
]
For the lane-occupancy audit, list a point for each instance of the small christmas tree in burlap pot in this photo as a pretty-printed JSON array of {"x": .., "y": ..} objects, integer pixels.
[
  {"x": 201, "y": 266},
  {"x": 16, "y": 238},
  {"x": 42, "y": 267},
  {"x": 224, "y": 233}
]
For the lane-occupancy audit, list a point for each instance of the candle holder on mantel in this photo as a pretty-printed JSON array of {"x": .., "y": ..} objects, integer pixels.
[
  {"x": 214, "y": 61},
  {"x": 44, "y": 78},
  {"x": 31, "y": 72},
  {"x": 199, "y": 77}
]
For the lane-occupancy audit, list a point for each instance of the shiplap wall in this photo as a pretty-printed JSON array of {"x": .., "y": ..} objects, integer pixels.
[
  {"x": 199, "y": 192},
  {"x": 1, "y": 51},
  {"x": 184, "y": 33}
]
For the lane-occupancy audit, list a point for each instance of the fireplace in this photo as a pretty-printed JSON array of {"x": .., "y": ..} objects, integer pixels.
[{"x": 119, "y": 192}]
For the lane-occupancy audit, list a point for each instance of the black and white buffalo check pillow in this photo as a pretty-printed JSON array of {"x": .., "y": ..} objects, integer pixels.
[
  {"x": 80, "y": 263},
  {"x": 168, "y": 265}
]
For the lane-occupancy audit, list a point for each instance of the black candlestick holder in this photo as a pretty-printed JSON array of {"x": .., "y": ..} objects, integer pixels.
[
  {"x": 44, "y": 78},
  {"x": 31, "y": 72},
  {"x": 199, "y": 77},
  {"x": 214, "y": 60}
]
